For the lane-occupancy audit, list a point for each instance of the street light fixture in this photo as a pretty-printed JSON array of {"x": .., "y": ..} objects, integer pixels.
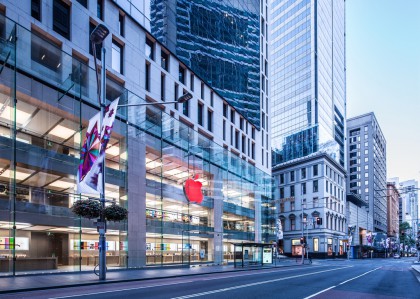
[
  {"x": 97, "y": 37},
  {"x": 182, "y": 99}
]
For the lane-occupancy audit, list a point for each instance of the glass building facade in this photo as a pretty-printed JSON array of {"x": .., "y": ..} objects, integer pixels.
[
  {"x": 220, "y": 41},
  {"x": 47, "y": 98},
  {"x": 308, "y": 91}
]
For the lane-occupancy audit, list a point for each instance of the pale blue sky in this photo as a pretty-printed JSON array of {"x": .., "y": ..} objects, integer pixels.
[{"x": 383, "y": 75}]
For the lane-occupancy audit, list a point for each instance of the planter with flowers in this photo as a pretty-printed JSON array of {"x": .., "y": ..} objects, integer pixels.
[
  {"x": 90, "y": 209},
  {"x": 87, "y": 208},
  {"x": 115, "y": 213}
]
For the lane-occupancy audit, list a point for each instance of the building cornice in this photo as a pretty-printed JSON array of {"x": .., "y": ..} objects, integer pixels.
[{"x": 313, "y": 157}]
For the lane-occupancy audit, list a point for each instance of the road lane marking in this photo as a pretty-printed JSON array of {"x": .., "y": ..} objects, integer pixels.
[
  {"x": 346, "y": 281},
  {"x": 181, "y": 282},
  {"x": 121, "y": 290},
  {"x": 255, "y": 284}
]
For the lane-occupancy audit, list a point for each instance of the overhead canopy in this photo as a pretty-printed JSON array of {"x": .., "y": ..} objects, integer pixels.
[{"x": 356, "y": 199}]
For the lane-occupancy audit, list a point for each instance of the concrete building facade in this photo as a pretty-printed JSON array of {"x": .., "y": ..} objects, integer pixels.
[
  {"x": 408, "y": 204},
  {"x": 367, "y": 168},
  {"x": 393, "y": 209}
]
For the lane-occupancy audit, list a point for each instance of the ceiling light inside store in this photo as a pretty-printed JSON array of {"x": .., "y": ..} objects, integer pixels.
[
  {"x": 177, "y": 173},
  {"x": 231, "y": 193},
  {"x": 62, "y": 132},
  {"x": 21, "y": 116},
  {"x": 175, "y": 208},
  {"x": 152, "y": 164},
  {"x": 19, "y": 175},
  {"x": 62, "y": 184},
  {"x": 113, "y": 150},
  {"x": 8, "y": 225},
  {"x": 203, "y": 181},
  {"x": 123, "y": 156}
]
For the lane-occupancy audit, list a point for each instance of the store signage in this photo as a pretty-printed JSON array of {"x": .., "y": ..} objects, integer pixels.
[{"x": 192, "y": 190}]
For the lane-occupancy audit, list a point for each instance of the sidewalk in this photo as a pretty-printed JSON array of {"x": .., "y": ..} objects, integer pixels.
[
  {"x": 34, "y": 282},
  {"x": 416, "y": 267}
]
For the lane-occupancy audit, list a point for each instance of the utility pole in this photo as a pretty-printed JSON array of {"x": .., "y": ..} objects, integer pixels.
[{"x": 303, "y": 235}]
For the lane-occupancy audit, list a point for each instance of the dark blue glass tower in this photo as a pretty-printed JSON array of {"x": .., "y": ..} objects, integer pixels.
[{"x": 220, "y": 41}]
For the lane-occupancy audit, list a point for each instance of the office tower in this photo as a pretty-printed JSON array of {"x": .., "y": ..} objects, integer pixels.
[
  {"x": 367, "y": 168},
  {"x": 48, "y": 92},
  {"x": 409, "y": 203},
  {"x": 308, "y": 108},
  {"x": 308, "y": 87}
]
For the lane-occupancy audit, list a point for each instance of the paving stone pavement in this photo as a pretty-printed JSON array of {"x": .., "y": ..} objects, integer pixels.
[{"x": 39, "y": 281}]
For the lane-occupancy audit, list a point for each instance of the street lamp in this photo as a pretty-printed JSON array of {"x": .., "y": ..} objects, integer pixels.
[
  {"x": 182, "y": 99},
  {"x": 303, "y": 235},
  {"x": 97, "y": 37}
]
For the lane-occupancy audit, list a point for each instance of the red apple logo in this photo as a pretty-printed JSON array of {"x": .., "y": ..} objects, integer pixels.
[{"x": 192, "y": 190}]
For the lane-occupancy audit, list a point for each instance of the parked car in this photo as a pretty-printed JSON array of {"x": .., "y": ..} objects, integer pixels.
[{"x": 397, "y": 256}]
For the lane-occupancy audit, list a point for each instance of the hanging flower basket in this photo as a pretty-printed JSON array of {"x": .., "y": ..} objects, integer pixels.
[
  {"x": 87, "y": 208},
  {"x": 115, "y": 213}
]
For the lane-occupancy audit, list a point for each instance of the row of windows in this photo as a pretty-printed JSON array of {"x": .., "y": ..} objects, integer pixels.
[
  {"x": 61, "y": 24},
  {"x": 303, "y": 174},
  {"x": 61, "y": 15},
  {"x": 238, "y": 140},
  {"x": 303, "y": 189},
  {"x": 331, "y": 222},
  {"x": 243, "y": 123}
]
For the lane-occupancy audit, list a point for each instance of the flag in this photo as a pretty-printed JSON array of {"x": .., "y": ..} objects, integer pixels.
[
  {"x": 93, "y": 151},
  {"x": 279, "y": 230},
  {"x": 88, "y": 156}
]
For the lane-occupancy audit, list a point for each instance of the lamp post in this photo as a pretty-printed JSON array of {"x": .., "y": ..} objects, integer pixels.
[
  {"x": 97, "y": 37},
  {"x": 303, "y": 236}
]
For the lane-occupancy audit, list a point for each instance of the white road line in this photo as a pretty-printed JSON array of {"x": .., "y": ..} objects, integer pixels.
[
  {"x": 346, "y": 281},
  {"x": 358, "y": 276},
  {"x": 121, "y": 290},
  {"x": 181, "y": 282},
  {"x": 320, "y": 292},
  {"x": 167, "y": 284},
  {"x": 255, "y": 284}
]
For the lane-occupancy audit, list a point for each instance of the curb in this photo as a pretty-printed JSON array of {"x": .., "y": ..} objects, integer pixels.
[
  {"x": 416, "y": 271},
  {"x": 132, "y": 279}
]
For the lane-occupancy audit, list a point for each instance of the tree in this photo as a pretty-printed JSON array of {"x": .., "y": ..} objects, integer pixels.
[
  {"x": 405, "y": 230},
  {"x": 405, "y": 235}
]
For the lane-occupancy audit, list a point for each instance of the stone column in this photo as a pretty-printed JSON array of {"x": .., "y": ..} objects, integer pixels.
[
  {"x": 136, "y": 176},
  {"x": 217, "y": 215},
  {"x": 257, "y": 221}
]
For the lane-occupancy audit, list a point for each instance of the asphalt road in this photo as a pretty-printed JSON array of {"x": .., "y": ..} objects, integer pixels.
[{"x": 377, "y": 278}]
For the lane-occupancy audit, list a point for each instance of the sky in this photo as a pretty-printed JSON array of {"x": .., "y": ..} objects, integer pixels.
[{"x": 383, "y": 75}]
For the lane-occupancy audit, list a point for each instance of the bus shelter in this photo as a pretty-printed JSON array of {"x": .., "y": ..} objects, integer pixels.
[{"x": 252, "y": 254}]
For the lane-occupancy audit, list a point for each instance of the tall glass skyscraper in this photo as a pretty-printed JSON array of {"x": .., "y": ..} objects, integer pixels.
[
  {"x": 308, "y": 91},
  {"x": 220, "y": 41},
  {"x": 308, "y": 108}
]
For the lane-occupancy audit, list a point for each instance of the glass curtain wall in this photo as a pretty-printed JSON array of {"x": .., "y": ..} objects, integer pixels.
[
  {"x": 180, "y": 231},
  {"x": 46, "y": 99}
]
